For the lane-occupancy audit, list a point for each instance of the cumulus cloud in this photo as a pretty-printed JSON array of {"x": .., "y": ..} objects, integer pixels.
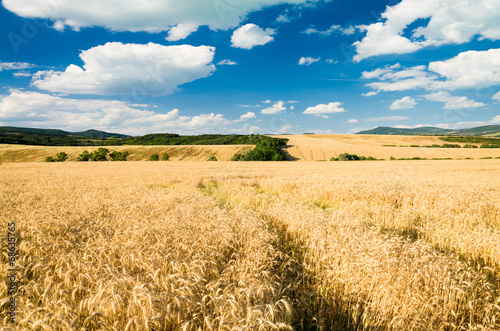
[
  {"x": 35, "y": 109},
  {"x": 334, "y": 29},
  {"x": 369, "y": 94},
  {"x": 306, "y": 61},
  {"x": 450, "y": 22},
  {"x": 404, "y": 103},
  {"x": 266, "y": 101},
  {"x": 180, "y": 16},
  {"x": 471, "y": 69},
  {"x": 227, "y": 63},
  {"x": 248, "y": 115},
  {"x": 181, "y": 31},
  {"x": 496, "y": 96},
  {"x": 116, "y": 68},
  {"x": 251, "y": 35},
  {"x": 321, "y": 109},
  {"x": 453, "y": 102},
  {"x": 15, "y": 66},
  {"x": 386, "y": 118},
  {"x": 246, "y": 129},
  {"x": 277, "y": 108},
  {"x": 353, "y": 120}
]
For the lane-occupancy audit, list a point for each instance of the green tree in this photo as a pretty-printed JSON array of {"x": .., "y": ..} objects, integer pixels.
[
  {"x": 85, "y": 156},
  {"x": 61, "y": 157},
  {"x": 100, "y": 154},
  {"x": 154, "y": 157},
  {"x": 119, "y": 156},
  {"x": 165, "y": 157},
  {"x": 49, "y": 159},
  {"x": 212, "y": 158}
]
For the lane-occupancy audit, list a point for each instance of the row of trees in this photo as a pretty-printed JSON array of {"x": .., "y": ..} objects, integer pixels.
[
  {"x": 101, "y": 154},
  {"x": 265, "y": 150}
]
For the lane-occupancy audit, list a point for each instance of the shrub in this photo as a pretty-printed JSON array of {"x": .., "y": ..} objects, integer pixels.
[
  {"x": 238, "y": 157},
  {"x": 154, "y": 157},
  {"x": 85, "y": 156},
  {"x": 470, "y": 146},
  {"x": 49, "y": 159},
  {"x": 451, "y": 146},
  {"x": 100, "y": 154},
  {"x": 352, "y": 157},
  {"x": 119, "y": 156},
  {"x": 61, "y": 157},
  {"x": 165, "y": 157},
  {"x": 393, "y": 158},
  {"x": 489, "y": 146},
  {"x": 212, "y": 158}
]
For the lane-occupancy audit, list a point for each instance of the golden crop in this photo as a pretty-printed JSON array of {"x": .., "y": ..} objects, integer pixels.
[{"x": 254, "y": 245}]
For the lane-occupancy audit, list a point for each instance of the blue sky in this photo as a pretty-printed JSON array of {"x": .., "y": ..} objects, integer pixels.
[{"x": 242, "y": 66}]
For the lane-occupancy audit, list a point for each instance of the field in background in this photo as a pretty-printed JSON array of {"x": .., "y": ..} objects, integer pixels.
[
  {"x": 25, "y": 153},
  {"x": 407, "y": 245},
  {"x": 323, "y": 147}
]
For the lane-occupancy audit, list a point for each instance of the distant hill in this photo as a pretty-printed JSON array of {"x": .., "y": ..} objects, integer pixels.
[
  {"x": 488, "y": 130},
  {"x": 92, "y": 134}
]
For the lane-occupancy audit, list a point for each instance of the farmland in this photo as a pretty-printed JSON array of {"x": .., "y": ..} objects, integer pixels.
[
  {"x": 323, "y": 147},
  {"x": 407, "y": 245}
]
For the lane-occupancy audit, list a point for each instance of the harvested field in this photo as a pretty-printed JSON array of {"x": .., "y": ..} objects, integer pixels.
[
  {"x": 409, "y": 245},
  {"x": 24, "y": 153},
  {"x": 323, "y": 147}
]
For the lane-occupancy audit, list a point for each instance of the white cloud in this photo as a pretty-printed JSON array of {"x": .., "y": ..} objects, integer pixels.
[
  {"x": 15, "y": 66},
  {"x": 285, "y": 129},
  {"x": 334, "y": 29},
  {"x": 181, "y": 31},
  {"x": 321, "y": 109},
  {"x": 308, "y": 60},
  {"x": 386, "y": 118},
  {"x": 246, "y": 129},
  {"x": 204, "y": 120},
  {"x": 34, "y": 109},
  {"x": 251, "y": 35},
  {"x": 496, "y": 96},
  {"x": 22, "y": 74},
  {"x": 331, "y": 61},
  {"x": 369, "y": 94},
  {"x": 451, "y": 22},
  {"x": 266, "y": 101},
  {"x": 404, "y": 103},
  {"x": 137, "y": 15},
  {"x": 453, "y": 102},
  {"x": 353, "y": 120},
  {"x": 283, "y": 18},
  {"x": 495, "y": 120},
  {"x": 248, "y": 115},
  {"x": 227, "y": 63},
  {"x": 117, "y": 68},
  {"x": 277, "y": 108},
  {"x": 472, "y": 69}
]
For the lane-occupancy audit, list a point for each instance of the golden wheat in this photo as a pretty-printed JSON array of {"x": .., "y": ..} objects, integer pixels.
[{"x": 245, "y": 245}]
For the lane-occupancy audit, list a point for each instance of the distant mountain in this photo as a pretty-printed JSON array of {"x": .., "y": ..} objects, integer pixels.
[
  {"x": 89, "y": 134},
  {"x": 488, "y": 130}
]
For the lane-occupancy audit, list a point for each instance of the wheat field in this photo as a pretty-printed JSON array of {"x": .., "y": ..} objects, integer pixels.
[
  {"x": 24, "y": 153},
  {"x": 407, "y": 245},
  {"x": 323, "y": 147}
]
